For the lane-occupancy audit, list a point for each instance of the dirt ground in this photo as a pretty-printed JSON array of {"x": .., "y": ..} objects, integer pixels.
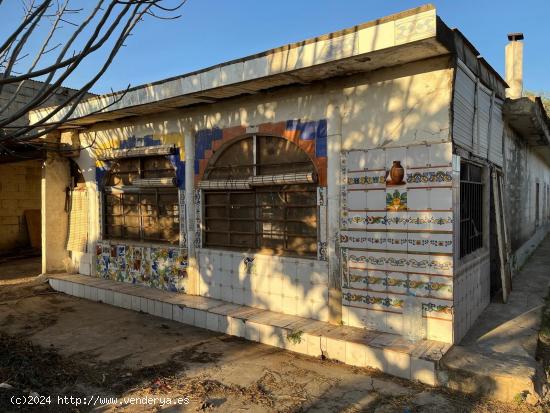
[{"x": 54, "y": 346}]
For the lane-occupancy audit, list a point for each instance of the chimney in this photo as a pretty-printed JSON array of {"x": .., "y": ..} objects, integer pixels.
[{"x": 514, "y": 65}]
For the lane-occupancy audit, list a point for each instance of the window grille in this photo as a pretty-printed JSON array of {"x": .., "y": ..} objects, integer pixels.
[
  {"x": 277, "y": 218},
  {"x": 471, "y": 208},
  {"x": 134, "y": 211}
]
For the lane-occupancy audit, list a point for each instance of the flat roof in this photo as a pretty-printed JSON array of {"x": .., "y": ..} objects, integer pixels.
[{"x": 397, "y": 39}]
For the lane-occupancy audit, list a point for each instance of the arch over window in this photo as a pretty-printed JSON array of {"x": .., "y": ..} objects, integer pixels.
[
  {"x": 260, "y": 194},
  {"x": 141, "y": 200}
]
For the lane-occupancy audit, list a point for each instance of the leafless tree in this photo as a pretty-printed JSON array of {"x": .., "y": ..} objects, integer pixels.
[{"x": 54, "y": 39}]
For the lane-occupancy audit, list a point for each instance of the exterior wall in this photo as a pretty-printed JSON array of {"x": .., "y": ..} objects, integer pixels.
[
  {"x": 55, "y": 221},
  {"x": 523, "y": 169},
  {"x": 390, "y": 108},
  {"x": 19, "y": 191},
  {"x": 397, "y": 241}
]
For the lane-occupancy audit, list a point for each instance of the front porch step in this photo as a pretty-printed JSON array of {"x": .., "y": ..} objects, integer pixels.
[{"x": 389, "y": 353}]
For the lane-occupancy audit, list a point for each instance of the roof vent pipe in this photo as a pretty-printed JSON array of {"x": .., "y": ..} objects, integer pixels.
[{"x": 514, "y": 65}]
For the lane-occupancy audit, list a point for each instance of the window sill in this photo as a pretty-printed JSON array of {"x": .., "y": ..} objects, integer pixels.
[{"x": 115, "y": 241}]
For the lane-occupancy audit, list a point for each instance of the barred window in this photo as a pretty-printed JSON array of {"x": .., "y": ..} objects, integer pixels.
[
  {"x": 471, "y": 208},
  {"x": 141, "y": 200},
  {"x": 260, "y": 194}
]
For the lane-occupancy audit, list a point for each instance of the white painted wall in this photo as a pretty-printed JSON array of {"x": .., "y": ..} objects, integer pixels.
[{"x": 392, "y": 107}]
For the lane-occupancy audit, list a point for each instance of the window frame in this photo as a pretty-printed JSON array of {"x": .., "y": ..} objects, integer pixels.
[
  {"x": 257, "y": 191},
  {"x": 128, "y": 189}
]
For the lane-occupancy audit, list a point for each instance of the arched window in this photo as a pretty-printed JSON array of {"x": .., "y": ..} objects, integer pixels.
[
  {"x": 260, "y": 194},
  {"x": 141, "y": 200}
]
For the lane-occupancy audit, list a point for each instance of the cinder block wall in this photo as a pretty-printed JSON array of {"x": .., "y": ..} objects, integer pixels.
[{"x": 19, "y": 190}]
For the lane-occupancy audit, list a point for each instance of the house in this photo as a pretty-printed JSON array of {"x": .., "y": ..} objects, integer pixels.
[{"x": 383, "y": 176}]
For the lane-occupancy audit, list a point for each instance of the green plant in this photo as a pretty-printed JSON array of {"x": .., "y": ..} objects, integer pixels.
[{"x": 295, "y": 337}]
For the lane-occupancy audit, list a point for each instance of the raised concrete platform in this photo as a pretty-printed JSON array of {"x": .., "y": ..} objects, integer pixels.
[
  {"x": 389, "y": 353},
  {"x": 497, "y": 357}
]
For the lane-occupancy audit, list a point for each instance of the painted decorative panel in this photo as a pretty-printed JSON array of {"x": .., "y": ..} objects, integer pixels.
[
  {"x": 151, "y": 266},
  {"x": 396, "y": 237}
]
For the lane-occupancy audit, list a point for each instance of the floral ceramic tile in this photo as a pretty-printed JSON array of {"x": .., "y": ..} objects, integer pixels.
[
  {"x": 438, "y": 309},
  {"x": 441, "y": 264},
  {"x": 441, "y": 243},
  {"x": 397, "y": 282},
  {"x": 377, "y": 240},
  {"x": 419, "y": 285},
  {"x": 419, "y": 221},
  {"x": 418, "y": 242},
  {"x": 376, "y": 220},
  {"x": 396, "y": 261},
  {"x": 354, "y": 239},
  {"x": 396, "y": 199},
  {"x": 376, "y": 281},
  {"x": 441, "y": 287},
  {"x": 397, "y": 241},
  {"x": 429, "y": 177},
  {"x": 397, "y": 220}
]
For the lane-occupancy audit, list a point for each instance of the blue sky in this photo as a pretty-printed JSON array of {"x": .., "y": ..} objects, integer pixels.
[{"x": 214, "y": 31}]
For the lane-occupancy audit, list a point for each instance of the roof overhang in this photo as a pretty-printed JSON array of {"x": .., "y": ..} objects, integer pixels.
[
  {"x": 394, "y": 40},
  {"x": 529, "y": 119}
]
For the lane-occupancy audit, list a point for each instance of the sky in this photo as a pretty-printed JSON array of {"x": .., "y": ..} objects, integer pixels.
[{"x": 214, "y": 31}]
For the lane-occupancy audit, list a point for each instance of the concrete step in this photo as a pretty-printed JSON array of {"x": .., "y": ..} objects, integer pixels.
[
  {"x": 499, "y": 376},
  {"x": 389, "y": 353}
]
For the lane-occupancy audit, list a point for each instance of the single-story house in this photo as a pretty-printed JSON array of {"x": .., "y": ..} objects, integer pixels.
[{"x": 384, "y": 177}]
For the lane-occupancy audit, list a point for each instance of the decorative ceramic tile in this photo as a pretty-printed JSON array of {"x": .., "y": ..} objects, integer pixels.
[
  {"x": 397, "y": 220},
  {"x": 376, "y": 281},
  {"x": 394, "y": 302},
  {"x": 322, "y": 241},
  {"x": 396, "y": 199},
  {"x": 197, "y": 201},
  {"x": 418, "y": 263},
  {"x": 397, "y": 241},
  {"x": 376, "y": 220},
  {"x": 418, "y": 242},
  {"x": 418, "y": 285},
  {"x": 354, "y": 239},
  {"x": 441, "y": 287},
  {"x": 157, "y": 267},
  {"x": 397, "y": 261},
  {"x": 441, "y": 243},
  {"x": 371, "y": 260},
  {"x": 429, "y": 177},
  {"x": 182, "y": 218},
  {"x": 364, "y": 180},
  {"x": 357, "y": 279},
  {"x": 441, "y": 264},
  {"x": 438, "y": 309},
  {"x": 397, "y": 282},
  {"x": 419, "y": 221},
  {"x": 376, "y": 240}
]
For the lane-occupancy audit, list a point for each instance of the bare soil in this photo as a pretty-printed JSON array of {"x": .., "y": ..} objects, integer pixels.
[{"x": 57, "y": 345}]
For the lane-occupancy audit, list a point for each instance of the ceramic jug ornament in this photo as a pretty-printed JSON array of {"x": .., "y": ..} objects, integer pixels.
[{"x": 397, "y": 173}]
